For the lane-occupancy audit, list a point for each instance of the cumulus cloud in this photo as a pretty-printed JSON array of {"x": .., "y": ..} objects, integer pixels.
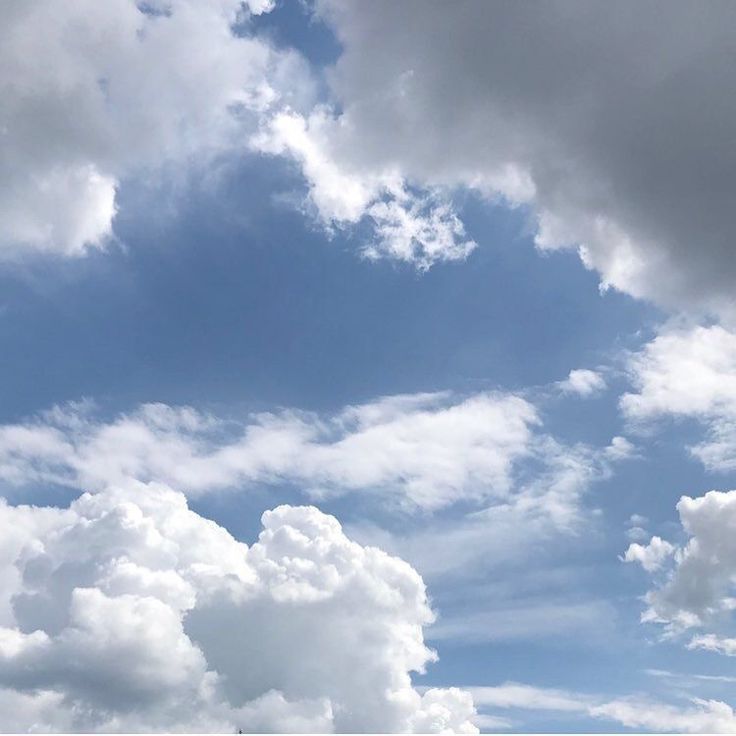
[
  {"x": 583, "y": 382},
  {"x": 420, "y": 450},
  {"x": 96, "y": 93},
  {"x": 650, "y": 556},
  {"x": 561, "y": 109},
  {"x": 701, "y": 716},
  {"x": 686, "y": 372},
  {"x": 128, "y": 611},
  {"x": 689, "y": 373},
  {"x": 697, "y": 588}
]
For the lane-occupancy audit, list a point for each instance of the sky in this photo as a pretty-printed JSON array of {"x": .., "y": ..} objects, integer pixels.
[{"x": 367, "y": 367}]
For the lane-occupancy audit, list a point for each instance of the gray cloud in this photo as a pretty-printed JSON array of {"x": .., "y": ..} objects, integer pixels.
[{"x": 613, "y": 120}]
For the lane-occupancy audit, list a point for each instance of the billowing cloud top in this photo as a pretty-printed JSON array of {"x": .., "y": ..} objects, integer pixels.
[{"x": 128, "y": 611}]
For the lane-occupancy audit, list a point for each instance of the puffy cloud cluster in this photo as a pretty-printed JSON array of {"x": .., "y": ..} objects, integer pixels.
[
  {"x": 561, "y": 108},
  {"x": 650, "y": 556},
  {"x": 697, "y": 587},
  {"x": 127, "y": 611},
  {"x": 689, "y": 372},
  {"x": 97, "y": 92},
  {"x": 583, "y": 382},
  {"x": 428, "y": 450},
  {"x": 684, "y": 372}
]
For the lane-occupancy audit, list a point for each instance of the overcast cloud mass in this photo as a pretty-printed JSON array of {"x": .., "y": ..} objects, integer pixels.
[{"x": 367, "y": 366}]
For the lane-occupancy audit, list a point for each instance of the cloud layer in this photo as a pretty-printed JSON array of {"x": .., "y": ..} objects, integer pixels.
[
  {"x": 128, "y": 611},
  {"x": 700, "y": 716},
  {"x": 608, "y": 119},
  {"x": 695, "y": 588},
  {"x": 609, "y": 122},
  {"x": 417, "y": 451}
]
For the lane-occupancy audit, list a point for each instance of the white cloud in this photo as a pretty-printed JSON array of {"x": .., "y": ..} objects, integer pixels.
[
  {"x": 651, "y": 556},
  {"x": 490, "y": 583},
  {"x": 689, "y": 679},
  {"x": 417, "y": 229},
  {"x": 518, "y": 695},
  {"x": 714, "y": 643},
  {"x": 620, "y": 449},
  {"x": 128, "y": 611},
  {"x": 689, "y": 372},
  {"x": 96, "y": 93},
  {"x": 422, "y": 450},
  {"x": 583, "y": 382},
  {"x": 697, "y": 590},
  {"x": 702, "y": 716},
  {"x": 418, "y": 451}
]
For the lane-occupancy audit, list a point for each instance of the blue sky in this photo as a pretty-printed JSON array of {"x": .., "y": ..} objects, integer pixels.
[{"x": 423, "y": 397}]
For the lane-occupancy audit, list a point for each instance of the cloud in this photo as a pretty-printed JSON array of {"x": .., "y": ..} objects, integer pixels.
[
  {"x": 562, "y": 110},
  {"x": 713, "y": 643},
  {"x": 559, "y": 111},
  {"x": 518, "y": 695},
  {"x": 697, "y": 589},
  {"x": 413, "y": 451},
  {"x": 689, "y": 373},
  {"x": 128, "y": 611},
  {"x": 689, "y": 679},
  {"x": 652, "y": 556},
  {"x": 702, "y": 716},
  {"x": 583, "y": 382},
  {"x": 423, "y": 451},
  {"x": 501, "y": 534},
  {"x": 417, "y": 228},
  {"x": 95, "y": 94}
]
